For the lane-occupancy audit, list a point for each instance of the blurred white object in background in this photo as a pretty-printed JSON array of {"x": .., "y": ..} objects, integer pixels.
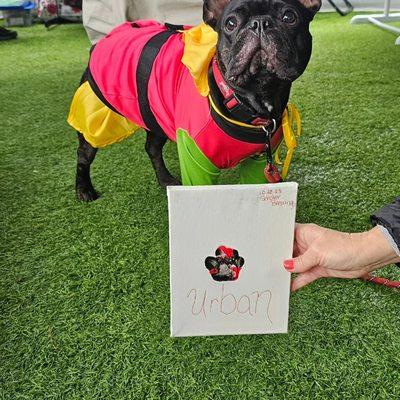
[
  {"x": 381, "y": 20},
  {"x": 101, "y": 16},
  {"x": 362, "y": 5}
]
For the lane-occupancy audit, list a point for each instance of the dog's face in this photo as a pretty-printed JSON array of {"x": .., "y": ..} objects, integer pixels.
[{"x": 262, "y": 41}]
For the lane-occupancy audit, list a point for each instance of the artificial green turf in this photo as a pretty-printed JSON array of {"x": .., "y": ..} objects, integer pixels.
[{"x": 84, "y": 287}]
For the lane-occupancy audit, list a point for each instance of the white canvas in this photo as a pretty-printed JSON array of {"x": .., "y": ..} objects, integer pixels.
[{"x": 255, "y": 220}]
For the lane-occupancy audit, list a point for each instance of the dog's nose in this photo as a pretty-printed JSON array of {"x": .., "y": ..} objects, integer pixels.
[{"x": 259, "y": 25}]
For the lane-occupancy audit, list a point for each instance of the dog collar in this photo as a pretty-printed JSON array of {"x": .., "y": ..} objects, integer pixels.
[
  {"x": 242, "y": 131},
  {"x": 238, "y": 128},
  {"x": 233, "y": 102}
]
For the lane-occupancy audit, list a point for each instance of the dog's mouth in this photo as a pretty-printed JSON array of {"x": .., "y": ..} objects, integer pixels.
[
  {"x": 255, "y": 65},
  {"x": 258, "y": 62}
]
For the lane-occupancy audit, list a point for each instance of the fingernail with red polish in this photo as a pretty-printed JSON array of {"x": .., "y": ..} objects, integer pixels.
[{"x": 289, "y": 265}]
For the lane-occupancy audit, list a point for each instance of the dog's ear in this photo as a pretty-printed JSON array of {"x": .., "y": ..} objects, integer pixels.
[
  {"x": 212, "y": 11},
  {"x": 312, "y": 5}
]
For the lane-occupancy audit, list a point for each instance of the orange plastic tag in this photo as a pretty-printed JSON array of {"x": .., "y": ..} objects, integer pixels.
[{"x": 272, "y": 173}]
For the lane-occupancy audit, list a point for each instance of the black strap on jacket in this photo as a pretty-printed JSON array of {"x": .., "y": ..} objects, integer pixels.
[
  {"x": 144, "y": 69},
  {"x": 97, "y": 91}
]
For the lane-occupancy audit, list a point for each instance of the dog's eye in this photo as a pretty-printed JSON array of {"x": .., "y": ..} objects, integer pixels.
[
  {"x": 289, "y": 17},
  {"x": 231, "y": 24}
]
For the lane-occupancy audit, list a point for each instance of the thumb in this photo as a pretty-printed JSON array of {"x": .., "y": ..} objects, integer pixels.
[
  {"x": 303, "y": 280},
  {"x": 302, "y": 263}
]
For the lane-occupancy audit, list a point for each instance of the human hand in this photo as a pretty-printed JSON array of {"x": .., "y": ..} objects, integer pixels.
[{"x": 325, "y": 253}]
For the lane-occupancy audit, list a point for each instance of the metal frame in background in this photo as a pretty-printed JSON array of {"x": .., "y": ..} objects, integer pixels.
[
  {"x": 343, "y": 12},
  {"x": 381, "y": 20}
]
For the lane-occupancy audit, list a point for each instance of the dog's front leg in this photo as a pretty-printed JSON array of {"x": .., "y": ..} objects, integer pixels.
[{"x": 154, "y": 147}]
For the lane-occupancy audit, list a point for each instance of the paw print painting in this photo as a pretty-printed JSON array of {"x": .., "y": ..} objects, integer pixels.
[{"x": 226, "y": 265}]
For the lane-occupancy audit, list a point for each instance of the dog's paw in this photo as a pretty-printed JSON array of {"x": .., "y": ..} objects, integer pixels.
[
  {"x": 170, "y": 181},
  {"x": 86, "y": 194}
]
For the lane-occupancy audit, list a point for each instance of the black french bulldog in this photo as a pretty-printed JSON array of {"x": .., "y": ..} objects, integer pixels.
[{"x": 263, "y": 46}]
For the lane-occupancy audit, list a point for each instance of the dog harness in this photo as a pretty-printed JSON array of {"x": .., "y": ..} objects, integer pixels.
[{"x": 153, "y": 76}]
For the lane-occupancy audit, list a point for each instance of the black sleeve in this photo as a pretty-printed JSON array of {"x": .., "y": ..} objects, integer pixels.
[{"x": 389, "y": 217}]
